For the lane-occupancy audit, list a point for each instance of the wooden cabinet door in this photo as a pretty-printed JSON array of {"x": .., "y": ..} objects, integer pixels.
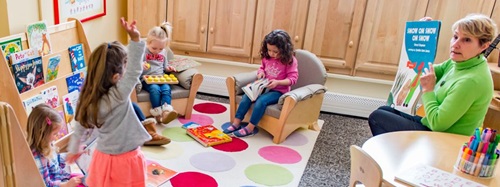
[
  {"x": 332, "y": 32},
  {"x": 148, "y": 14},
  {"x": 288, "y": 15},
  {"x": 449, "y": 11},
  {"x": 231, "y": 27},
  {"x": 382, "y": 36},
  {"x": 189, "y": 20}
]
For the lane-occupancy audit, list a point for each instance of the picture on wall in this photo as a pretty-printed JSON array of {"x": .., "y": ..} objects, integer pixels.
[{"x": 84, "y": 10}]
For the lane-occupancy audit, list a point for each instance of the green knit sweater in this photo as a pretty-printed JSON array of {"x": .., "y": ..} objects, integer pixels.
[{"x": 460, "y": 98}]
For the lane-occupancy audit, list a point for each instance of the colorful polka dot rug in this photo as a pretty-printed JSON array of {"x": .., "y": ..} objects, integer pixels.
[{"x": 248, "y": 161}]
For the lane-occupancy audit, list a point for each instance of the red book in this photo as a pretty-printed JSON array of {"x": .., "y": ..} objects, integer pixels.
[{"x": 208, "y": 135}]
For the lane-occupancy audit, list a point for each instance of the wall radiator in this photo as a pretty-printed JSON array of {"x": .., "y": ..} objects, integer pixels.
[{"x": 333, "y": 102}]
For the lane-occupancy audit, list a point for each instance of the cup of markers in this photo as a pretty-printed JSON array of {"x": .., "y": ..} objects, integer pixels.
[{"x": 478, "y": 157}]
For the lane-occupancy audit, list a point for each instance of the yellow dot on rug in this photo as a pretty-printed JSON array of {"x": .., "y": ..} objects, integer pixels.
[
  {"x": 164, "y": 152},
  {"x": 268, "y": 174}
]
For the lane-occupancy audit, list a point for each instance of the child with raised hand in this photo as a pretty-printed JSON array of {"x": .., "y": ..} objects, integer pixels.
[
  {"x": 44, "y": 123},
  {"x": 105, "y": 104},
  {"x": 279, "y": 66},
  {"x": 156, "y": 63}
]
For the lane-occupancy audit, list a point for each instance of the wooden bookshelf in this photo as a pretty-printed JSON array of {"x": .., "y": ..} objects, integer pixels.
[{"x": 492, "y": 118}]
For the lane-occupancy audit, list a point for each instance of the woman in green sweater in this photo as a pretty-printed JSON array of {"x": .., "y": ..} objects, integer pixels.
[{"x": 456, "y": 93}]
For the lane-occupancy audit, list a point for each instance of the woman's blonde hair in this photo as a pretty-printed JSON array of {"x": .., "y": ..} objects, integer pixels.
[
  {"x": 477, "y": 25},
  {"x": 161, "y": 33},
  {"x": 42, "y": 121},
  {"x": 105, "y": 61}
]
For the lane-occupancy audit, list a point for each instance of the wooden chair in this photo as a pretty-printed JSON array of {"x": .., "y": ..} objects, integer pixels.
[
  {"x": 364, "y": 169},
  {"x": 298, "y": 108},
  {"x": 17, "y": 164},
  {"x": 183, "y": 94}
]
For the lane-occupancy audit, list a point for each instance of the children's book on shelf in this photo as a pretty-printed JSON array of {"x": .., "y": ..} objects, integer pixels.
[
  {"x": 23, "y": 55},
  {"x": 28, "y": 74},
  {"x": 31, "y": 102},
  {"x": 157, "y": 174},
  {"x": 64, "y": 128},
  {"x": 424, "y": 175},
  {"x": 51, "y": 96},
  {"x": 182, "y": 63},
  {"x": 10, "y": 46},
  {"x": 75, "y": 81},
  {"x": 76, "y": 57},
  {"x": 53, "y": 68},
  {"x": 256, "y": 88},
  {"x": 418, "y": 50},
  {"x": 38, "y": 37},
  {"x": 208, "y": 135},
  {"x": 70, "y": 102}
]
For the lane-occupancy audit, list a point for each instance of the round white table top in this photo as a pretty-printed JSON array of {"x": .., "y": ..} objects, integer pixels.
[{"x": 398, "y": 151}]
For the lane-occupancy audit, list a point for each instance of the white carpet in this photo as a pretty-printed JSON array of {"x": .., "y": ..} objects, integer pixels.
[{"x": 250, "y": 161}]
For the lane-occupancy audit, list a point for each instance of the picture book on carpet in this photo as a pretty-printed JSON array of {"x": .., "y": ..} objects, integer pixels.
[
  {"x": 256, "y": 88},
  {"x": 182, "y": 63},
  {"x": 31, "y": 102},
  {"x": 418, "y": 50},
  {"x": 10, "y": 46},
  {"x": 157, "y": 174},
  {"x": 51, "y": 96},
  {"x": 53, "y": 68},
  {"x": 39, "y": 38},
  {"x": 190, "y": 124},
  {"x": 208, "y": 135},
  {"x": 28, "y": 74},
  {"x": 76, "y": 57},
  {"x": 424, "y": 175},
  {"x": 75, "y": 81}
]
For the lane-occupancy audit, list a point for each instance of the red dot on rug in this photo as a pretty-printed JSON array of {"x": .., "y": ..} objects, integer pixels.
[
  {"x": 187, "y": 179},
  {"x": 236, "y": 145},
  {"x": 209, "y": 108}
]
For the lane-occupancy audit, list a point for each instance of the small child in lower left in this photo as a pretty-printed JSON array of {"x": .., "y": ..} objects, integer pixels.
[{"x": 43, "y": 125}]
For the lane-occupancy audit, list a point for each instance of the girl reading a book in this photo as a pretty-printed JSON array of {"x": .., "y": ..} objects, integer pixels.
[
  {"x": 104, "y": 104},
  {"x": 43, "y": 126},
  {"x": 456, "y": 93},
  {"x": 156, "y": 63},
  {"x": 279, "y": 67}
]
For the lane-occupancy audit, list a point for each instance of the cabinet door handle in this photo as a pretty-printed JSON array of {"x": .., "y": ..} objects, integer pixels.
[
  {"x": 351, "y": 43},
  {"x": 296, "y": 38},
  {"x": 211, "y": 30},
  {"x": 202, "y": 30}
]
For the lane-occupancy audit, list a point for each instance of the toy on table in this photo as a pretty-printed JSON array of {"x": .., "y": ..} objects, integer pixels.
[{"x": 161, "y": 79}]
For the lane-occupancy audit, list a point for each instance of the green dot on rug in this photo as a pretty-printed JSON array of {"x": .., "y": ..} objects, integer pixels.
[
  {"x": 177, "y": 134},
  {"x": 268, "y": 174}
]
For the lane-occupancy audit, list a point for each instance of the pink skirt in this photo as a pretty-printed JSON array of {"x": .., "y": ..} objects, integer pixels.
[{"x": 127, "y": 169}]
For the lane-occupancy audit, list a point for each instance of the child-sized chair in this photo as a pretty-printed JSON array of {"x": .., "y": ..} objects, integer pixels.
[
  {"x": 183, "y": 94},
  {"x": 364, "y": 169},
  {"x": 298, "y": 108}
]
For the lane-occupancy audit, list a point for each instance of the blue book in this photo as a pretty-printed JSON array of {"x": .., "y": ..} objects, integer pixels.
[
  {"x": 418, "y": 50},
  {"x": 28, "y": 74},
  {"x": 75, "y": 81},
  {"x": 76, "y": 57}
]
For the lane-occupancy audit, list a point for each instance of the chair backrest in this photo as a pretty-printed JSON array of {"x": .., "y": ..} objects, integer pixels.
[
  {"x": 364, "y": 169},
  {"x": 311, "y": 69}
]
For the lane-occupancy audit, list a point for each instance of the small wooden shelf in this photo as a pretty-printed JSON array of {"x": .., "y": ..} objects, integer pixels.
[{"x": 495, "y": 73}]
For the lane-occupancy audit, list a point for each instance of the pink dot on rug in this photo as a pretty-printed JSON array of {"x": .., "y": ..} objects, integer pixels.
[
  {"x": 296, "y": 139},
  {"x": 280, "y": 155},
  {"x": 198, "y": 118},
  {"x": 212, "y": 161},
  {"x": 236, "y": 145},
  {"x": 195, "y": 179},
  {"x": 210, "y": 108}
]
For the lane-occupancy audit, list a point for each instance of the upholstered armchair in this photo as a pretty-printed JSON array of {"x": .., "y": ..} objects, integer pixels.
[
  {"x": 298, "y": 108},
  {"x": 183, "y": 94}
]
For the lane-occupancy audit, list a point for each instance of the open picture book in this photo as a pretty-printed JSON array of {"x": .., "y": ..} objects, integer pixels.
[
  {"x": 157, "y": 174},
  {"x": 256, "y": 88}
]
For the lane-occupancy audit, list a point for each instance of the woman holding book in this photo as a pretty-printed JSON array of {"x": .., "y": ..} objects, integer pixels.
[
  {"x": 456, "y": 93},
  {"x": 279, "y": 67}
]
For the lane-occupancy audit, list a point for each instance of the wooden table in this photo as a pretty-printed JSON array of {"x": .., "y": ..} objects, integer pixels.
[{"x": 398, "y": 151}]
